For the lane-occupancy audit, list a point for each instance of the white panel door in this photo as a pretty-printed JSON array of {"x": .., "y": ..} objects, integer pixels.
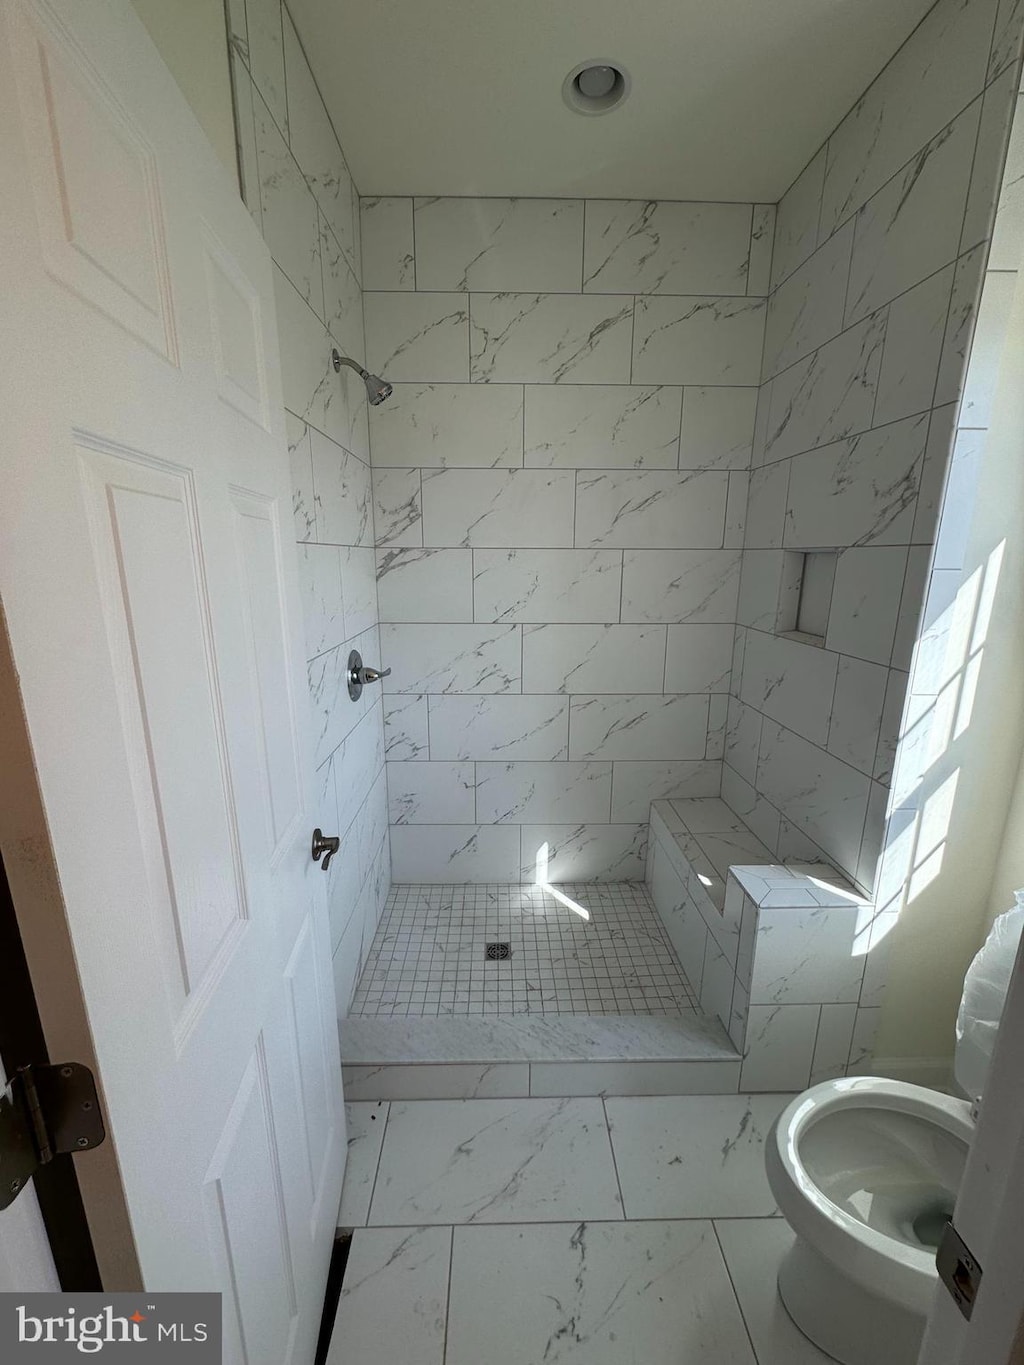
[{"x": 149, "y": 585}]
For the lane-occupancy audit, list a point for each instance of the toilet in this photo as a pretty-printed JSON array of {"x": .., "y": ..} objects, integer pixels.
[{"x": 866, "y": 1171}]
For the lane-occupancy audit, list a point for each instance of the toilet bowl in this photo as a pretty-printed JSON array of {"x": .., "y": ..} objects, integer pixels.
[{"x": 866, "y": 1172}]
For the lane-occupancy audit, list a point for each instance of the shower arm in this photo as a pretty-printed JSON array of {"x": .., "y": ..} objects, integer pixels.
[{"x": 337, "y": 360}]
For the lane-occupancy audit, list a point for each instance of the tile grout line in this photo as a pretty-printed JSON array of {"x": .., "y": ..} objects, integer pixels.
[
  {"x": 380, "y": 1157},
  {"x": 615, "y": 1164},
  {"x": 448, "y": 1295},
  {"x": 732, "y": 1285}
]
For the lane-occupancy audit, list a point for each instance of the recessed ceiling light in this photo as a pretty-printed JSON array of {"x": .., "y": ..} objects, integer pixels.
[{"x": 596, "y": 87}]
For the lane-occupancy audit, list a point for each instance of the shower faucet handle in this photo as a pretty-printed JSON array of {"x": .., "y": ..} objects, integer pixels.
[
  {"x": 324, "y": 846},
  {"x": 358, "y": 675}
]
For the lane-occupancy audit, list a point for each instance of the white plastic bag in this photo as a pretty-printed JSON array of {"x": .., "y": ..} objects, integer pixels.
[{"x": 981, "y": 1006}]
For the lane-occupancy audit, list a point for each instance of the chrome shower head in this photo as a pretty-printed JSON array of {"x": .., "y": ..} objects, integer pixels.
[{"x": 377, "y": 390}]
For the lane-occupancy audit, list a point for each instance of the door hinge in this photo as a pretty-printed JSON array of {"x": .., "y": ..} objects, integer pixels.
[
  {"x": 45, "y": 1111},
  {"x": 958, "y": 1270}
]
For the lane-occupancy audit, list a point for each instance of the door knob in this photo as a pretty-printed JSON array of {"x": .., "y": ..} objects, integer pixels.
[
  {"x": 358, "y": 675},
  {"x": 325, "y": 847}
]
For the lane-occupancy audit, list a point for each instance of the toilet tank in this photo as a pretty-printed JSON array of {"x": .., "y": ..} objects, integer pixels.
[{"x": 984, "y": 994}]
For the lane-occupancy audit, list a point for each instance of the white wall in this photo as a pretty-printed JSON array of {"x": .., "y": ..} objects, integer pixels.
[{"x": 955, "y": 846}]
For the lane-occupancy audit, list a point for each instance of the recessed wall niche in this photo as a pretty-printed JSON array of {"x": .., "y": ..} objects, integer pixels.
[{"x": 806, "y": 594}]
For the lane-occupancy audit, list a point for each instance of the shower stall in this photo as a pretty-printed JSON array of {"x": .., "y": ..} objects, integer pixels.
[{"x": 647, "y": 517}]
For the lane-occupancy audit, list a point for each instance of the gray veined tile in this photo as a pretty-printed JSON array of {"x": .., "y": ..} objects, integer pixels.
[
  {"x": 991, "y": 180},
  {"x": 306, "y": 372},
  {"x": 807, "y": 308},
  {"x": 647, "y": 247},
  {"x": 590, "y": 658},
  {"x": 499, "y": 728},
  {"x": 598, "y": 1293},
  {"x": 322, "y": 605},
  {"x": 779, "y": 1046},
  {"x": 289, "y": 214},
  {"x": 636, "y": 783},
  {"x": 699, "y": 658},
  {"x": 498, "y": 507},
  {"x": 422, "y": 338},
  {"x": 766, "y": 506},
  {"x": 550, "y": 338},
  {"x": 300, "y": 465},
  {"x": 967, "y": 275},
  {"x": 364, "y": 1124},
  {"x": 495, "y": 1161},
  {"x": 451, "y": 658},
  {"x": 547, "y": 585},
  {"x": 389, "y": 256},
  {"x": 698, "y": 340},
  {"x": 498, "y": 244},
  {"x": 857, "y": 713},
  {"x": 343, "y": 301},
  {"x": 926, "y": 84},
  {"x": 796, "y": 221},
  {"x": 693, "y": 1156},
  {"x": 651, "y": 508},
  {"x": 394, "y": 1298},
  {"x": 425, "y": 585},
  {"x": 824, "y": 798},
  {"x": 829, "y": 395},
  {"x": 583, "y": 853},
  {"x": 405, "y": 727},
  {"x": 398, "y": 508},
  {"x": 449, "y": 426},
  {"x": 717, "y": 427},
  {"x": 534, "y": 792},
  {"x": 861, "y": 491},
  {"x": 343, "y": 494},
  {"x": 316, "y": 148},
  {"x": 981, "y": 380},
  {"x": 632, "y": 726},
  {"x": 762, "y": 243},
  {"x": 754, "y": 1249},
  {"x": 444, "y": 854},
  {"x": 913, "y": 347},
  {"x": 676, "y": 586},
  {"x": 265, "y": 56},
  {"x": 911, "y": 227},
  {"x": 431, "y": 793},
  {"x": 598, "y": 426},
  {"x": 1007, "y": 37},
  {"x": 866, "y": 601},
  {"x": 358, "y": 589}
]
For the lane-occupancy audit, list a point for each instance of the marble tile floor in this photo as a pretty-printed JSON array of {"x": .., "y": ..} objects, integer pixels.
[
  {"x": 428, "y": 955},
  {"x": 564, "y": 1232}
]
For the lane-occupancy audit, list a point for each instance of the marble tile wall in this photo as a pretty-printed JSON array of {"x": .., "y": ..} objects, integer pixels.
[
  {"x": 880, "y": 247},
  {"x": 559, "y": 488},
  {"x": 298, "y": 188}
]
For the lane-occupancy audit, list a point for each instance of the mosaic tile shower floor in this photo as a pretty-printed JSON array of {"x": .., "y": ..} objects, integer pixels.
[{"x": 428, "y": 956}]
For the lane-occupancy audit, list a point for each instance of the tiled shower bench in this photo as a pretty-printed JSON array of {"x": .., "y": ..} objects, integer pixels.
[{"x": 775, "y": 952}]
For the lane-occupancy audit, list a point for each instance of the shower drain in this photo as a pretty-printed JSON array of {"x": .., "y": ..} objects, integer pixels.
[{"x": 497, "y": 952}]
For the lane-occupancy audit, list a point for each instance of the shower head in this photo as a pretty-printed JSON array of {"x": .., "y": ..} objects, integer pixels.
[{"x": 377, "y": 389}]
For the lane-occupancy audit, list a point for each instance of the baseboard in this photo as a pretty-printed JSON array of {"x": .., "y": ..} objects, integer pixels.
[{"x": 934, "y": 1072}]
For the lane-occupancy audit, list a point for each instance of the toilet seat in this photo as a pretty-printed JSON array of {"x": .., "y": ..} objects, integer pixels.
[{"x": 931, "y": 1134}]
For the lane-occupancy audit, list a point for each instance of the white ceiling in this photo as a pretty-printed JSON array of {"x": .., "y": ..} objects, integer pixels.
[{"x": 730, "y": 98}]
